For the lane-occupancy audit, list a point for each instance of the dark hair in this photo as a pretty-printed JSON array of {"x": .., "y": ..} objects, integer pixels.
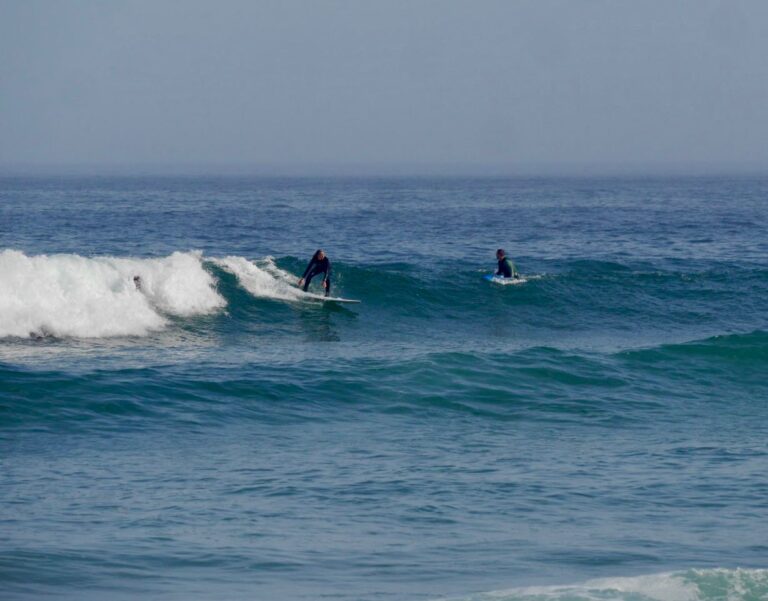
[
  {"x": 501, "y": 252},
  {"x": 317, "y": 254}
]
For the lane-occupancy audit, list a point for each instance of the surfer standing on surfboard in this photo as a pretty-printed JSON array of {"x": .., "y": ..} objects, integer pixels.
[
  {"x": 318, "y": 264},
  {"x": 506, "y": 266}
]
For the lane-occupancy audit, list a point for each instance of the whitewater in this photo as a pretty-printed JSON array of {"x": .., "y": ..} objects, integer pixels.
[{"x": 179, "y": 421}]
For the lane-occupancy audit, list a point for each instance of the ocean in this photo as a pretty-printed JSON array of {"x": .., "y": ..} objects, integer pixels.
[{"x": 599, "y": 432}]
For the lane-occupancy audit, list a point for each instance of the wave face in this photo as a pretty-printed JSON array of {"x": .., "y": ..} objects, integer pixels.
[
  {"x": 536, "y": 385},
  {"x": 217, "y": 433},
  {"x": 576, "y": 303}
]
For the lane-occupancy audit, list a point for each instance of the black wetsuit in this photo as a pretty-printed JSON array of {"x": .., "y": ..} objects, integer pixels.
[
  {"x": 315, "y": 267},
  {"x": 506, "y": 268}
]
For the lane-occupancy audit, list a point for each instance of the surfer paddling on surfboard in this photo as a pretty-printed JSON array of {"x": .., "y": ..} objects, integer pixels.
[
  {"x": 506, "y": 266},
  {"x": 318, "y": 264}
]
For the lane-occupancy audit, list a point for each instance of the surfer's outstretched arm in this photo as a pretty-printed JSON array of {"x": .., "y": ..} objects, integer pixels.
[
  {"x": 310, "y": 265},
  {"x": 309, "y": 269},
  {"x": 327, "y": 267},
  {"x": 327, "y": 277}
]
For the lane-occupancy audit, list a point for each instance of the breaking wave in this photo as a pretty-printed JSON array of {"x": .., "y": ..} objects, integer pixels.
[
  {"x": 71, "y": 295},
  {"x": 99, "y": 297},
  {"x": 262, "y": 279}
]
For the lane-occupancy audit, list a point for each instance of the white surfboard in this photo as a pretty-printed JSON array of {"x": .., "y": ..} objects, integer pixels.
[
  {"x": 330, "y": 299},
  {"x": 502, "y": 281}
]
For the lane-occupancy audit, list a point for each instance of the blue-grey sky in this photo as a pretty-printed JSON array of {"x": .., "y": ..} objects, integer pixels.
[{"x": 508, "y": 85}]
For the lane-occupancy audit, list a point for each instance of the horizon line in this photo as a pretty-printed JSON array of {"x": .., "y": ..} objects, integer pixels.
[{"x": 350, "y": 170}]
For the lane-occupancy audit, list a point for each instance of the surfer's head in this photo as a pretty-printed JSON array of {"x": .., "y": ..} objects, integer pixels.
[
  {"x": 319, "y": 255},
  {"x": 500, "y": 253}
]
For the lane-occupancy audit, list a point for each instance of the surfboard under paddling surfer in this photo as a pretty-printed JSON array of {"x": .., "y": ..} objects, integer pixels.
[{"x": 319, "y": 263}]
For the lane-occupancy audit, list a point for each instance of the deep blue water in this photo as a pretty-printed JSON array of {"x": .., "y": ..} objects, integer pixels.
[{"x": 217, "y": 435}]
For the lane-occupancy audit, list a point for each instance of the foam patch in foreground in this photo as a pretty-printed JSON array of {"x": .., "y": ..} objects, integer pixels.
[{"x": 693, "y": 585}]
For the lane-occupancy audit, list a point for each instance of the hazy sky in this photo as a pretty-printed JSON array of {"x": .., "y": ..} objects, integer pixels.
[{"x": 414, "y": 85}]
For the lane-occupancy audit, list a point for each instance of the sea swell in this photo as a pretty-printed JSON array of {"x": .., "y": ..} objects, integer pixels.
[
  {"x": 532, "y": 384},
  {"x": 213, "y": 340},
  {"x": 72, "y": 296}
]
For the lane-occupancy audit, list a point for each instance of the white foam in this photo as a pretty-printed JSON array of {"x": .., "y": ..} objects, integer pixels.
[
  {"x": 263, "y": 278},
  {"x": 652, "y": 587},
  {"x": 659, "y": 587},
  {"x": 714, "y": 584},
  {"x": 71, "y": 295},
  {"x": 521, "y": 279},
  {"x": 508, "y": 281}
]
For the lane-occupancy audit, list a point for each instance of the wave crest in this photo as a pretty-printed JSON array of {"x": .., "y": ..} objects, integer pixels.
[{"x": 262, "y": 279}]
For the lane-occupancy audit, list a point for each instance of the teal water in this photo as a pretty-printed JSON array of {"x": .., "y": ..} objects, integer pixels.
[{"x": 598, "y": 432}]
